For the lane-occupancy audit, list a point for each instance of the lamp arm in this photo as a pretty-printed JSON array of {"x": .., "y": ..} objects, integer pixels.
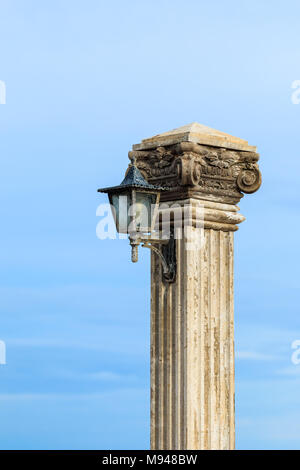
[
  {"x": 164, "y": 263},
  {"x": 167, "y": 254}
]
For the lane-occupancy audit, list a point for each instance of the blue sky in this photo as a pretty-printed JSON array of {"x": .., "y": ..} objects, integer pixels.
[{"x": 86, "y": 80}]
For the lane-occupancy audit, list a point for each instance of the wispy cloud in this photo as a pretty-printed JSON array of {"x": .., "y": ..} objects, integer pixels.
[
  {"x": 54, "y": 343},
  {"x": 71, "y": 396},
  {"x": 254, "y": 356},
  {"x": 101, "y": 376},
  {"x": 292, "y": 371}
]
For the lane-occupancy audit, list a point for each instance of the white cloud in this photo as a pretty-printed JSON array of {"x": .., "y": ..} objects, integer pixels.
[
  {"x": 255, "y": 356},
  {"x": 103, "y": 376},
  {"x": 293, "y": 371},
  {"x": 72, "y": 396}
]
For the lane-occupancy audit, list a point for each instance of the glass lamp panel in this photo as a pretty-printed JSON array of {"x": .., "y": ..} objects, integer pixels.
[
  {"x": 121, "y": 203},
  {"x": 145, "y": 206}
]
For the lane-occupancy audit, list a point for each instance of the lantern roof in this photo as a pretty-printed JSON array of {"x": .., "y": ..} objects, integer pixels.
[{"x": 133, "y": 179}]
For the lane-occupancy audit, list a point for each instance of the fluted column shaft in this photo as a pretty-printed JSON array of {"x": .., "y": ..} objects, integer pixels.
[{"x": 192, "y": 336}]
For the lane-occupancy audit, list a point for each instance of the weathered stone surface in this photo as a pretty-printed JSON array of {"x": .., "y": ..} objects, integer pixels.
[
  {"x": 197, "y": 133},
  {"x": 199, "y": 214},
  {"x": 191, "y": 168},
  {"x": 192, "y": 347},
  {"x": 192, "y": 341}
]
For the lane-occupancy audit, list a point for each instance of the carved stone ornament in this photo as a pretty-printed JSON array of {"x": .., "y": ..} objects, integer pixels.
[{"x": 191, "y": 169}]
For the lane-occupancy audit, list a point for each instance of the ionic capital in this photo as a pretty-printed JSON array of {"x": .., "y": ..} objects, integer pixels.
[{"x": 182, "y": 161}]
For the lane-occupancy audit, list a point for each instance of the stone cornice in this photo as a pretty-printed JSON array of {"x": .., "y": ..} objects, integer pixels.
[
  {"x": 198, "y": 214},
  {"x": 198, "y": 134},
  {"x": 199, "y": 171}
]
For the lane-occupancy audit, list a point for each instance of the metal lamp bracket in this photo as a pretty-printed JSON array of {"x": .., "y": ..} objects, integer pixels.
[{"x": 164, "y": 249}]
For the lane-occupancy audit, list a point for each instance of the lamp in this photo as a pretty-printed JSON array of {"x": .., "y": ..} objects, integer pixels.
[{"x": 135, "y": 204}]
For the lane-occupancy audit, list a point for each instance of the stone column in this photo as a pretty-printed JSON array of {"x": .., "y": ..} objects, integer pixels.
[{"x": 192, "y": 326}]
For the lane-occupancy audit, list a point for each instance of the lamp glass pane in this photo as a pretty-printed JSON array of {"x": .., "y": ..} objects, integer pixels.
[
  {"x": 121, "y": 204},
  {"x": 145, "y": 204}
]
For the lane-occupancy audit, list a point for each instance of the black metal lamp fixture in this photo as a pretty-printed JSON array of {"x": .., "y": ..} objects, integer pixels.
[{"x": 135, "y": 205}]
